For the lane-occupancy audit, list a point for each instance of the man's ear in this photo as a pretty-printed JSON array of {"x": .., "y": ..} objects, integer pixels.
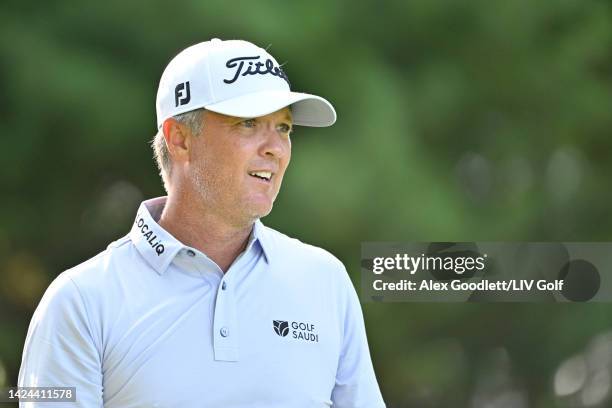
[{"x": 178, "y": 139}]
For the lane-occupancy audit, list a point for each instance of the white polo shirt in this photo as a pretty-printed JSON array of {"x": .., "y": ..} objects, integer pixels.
[{"x": 150, "y": 322}]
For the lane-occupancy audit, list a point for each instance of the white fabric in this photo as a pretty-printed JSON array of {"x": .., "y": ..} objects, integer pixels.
[
  {"x": 148, "y": 323},
  {"x": 235, "y": 78}
]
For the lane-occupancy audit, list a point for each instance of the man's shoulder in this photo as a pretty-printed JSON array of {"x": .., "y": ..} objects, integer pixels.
[
  {"x": 308, "y": 263},
  {"x": 285, "y": 246},
  {"x": 101, "y": 269},
  {"x": 77, "y": 287}
]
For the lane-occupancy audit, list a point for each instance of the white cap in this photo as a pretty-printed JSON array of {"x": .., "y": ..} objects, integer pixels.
[{"x": 234, "y": 78}]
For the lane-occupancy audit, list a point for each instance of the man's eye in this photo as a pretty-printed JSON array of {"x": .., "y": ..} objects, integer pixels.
[
  {"x": 284, "y": 128},
  {"x": 249, "y": 123}
]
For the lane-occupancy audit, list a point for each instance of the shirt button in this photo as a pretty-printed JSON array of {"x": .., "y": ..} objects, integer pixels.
[
  {"x": 223, "y": 286},
  {"x": 224, "y": 331},
  {"x": 191, "y": 253}
]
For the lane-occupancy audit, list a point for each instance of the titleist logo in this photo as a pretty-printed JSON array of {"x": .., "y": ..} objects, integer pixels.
[{"x": 253, "y": 68}]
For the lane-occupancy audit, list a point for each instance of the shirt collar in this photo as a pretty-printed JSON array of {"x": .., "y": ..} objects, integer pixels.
[
  {"x": 158, "y": 247},
  {"x": 259, "y": 235}
]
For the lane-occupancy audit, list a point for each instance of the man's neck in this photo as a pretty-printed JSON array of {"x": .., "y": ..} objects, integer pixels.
[{"x": 204, "y": 230}]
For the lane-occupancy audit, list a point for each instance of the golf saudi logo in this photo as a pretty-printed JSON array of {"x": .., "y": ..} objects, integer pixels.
[
  {"x": 299, "y": 330},
  {"x": 281, "y": 327}
]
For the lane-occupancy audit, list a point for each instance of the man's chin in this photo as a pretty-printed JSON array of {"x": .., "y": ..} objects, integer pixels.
[
  {"x": 255, "y": 206},
  {"x": 262, "y": 211}
]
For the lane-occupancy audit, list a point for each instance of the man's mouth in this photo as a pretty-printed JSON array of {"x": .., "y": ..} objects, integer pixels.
[{"x": 262, "y": 175}]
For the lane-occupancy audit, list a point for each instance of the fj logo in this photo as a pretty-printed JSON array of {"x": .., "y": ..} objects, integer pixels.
[{"x": 182, "y": 94}]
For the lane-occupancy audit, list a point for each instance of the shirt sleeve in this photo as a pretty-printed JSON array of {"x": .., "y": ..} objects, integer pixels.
[
  {"x": 59, "y": 349},
  {"x": 356, "y": 385}
]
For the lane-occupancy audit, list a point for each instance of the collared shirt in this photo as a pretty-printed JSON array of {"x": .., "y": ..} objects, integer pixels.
[{"x": 151, "y": 322}]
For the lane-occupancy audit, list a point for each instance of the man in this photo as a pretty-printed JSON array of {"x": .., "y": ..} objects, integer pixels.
[{"x": 200, "y": 305}]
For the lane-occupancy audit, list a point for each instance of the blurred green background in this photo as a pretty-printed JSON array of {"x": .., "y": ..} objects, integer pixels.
[{"x": 458, "y": 120}]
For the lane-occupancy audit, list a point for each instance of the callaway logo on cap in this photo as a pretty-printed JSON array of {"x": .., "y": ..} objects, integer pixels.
[{"x": 234, "y": 78}]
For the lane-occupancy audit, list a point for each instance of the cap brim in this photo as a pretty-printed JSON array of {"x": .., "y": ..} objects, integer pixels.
[{"x": 306, "y": 109}]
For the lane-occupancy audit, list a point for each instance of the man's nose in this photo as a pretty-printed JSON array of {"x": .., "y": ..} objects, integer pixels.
[{"x": 274, "y": 144}]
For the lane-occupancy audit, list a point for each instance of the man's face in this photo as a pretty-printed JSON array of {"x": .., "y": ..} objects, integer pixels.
[{"x": 236, "y": 165}]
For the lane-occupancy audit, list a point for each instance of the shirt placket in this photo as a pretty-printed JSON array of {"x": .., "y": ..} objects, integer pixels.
[
  {"x": 226, "y": 330},
  {"x": 225, "y": 324}
]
